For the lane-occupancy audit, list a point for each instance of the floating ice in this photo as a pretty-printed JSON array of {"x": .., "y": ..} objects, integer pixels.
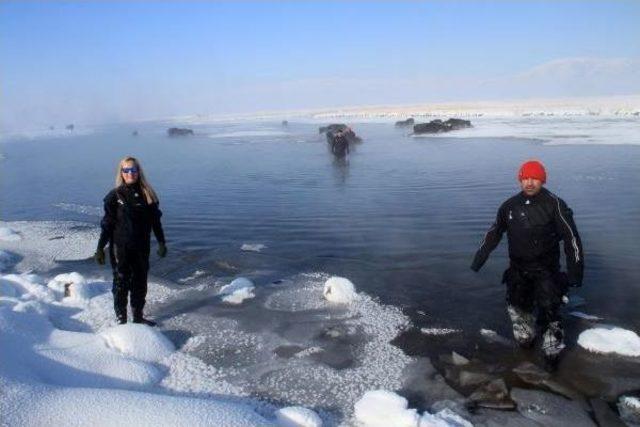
[
  {"x": 9, "y": 235},
  {"x": 195, "y": 275},
  {"x": 382, "y": 408},
  {"x": 252, "y": 247},
  {"x": 610, "y": 340},
  {"x": 629, "y": 408},
  {"x": 138, "y": 341},
  {"x": 439, "y": 331},
  {"x": 297, "y": 416},
  {"x": 339, "y": 290},
  {"x": 585, "y": 316},
  {"x": 237, "y": 291}
]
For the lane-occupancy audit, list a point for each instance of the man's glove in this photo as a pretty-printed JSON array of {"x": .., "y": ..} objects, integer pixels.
[
  {"x": 99, "y": 256},
  {"x": 162, "y": 250}
]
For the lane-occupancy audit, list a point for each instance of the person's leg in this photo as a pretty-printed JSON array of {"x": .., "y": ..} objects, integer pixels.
[
  {"x": 139, "y": 286},
  {"x": 122, "y": 276},
  {"x": 520, "y": 303},
  {"x": 549, "y": 300}
]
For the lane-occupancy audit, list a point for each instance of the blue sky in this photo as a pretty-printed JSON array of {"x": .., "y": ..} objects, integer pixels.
[{"x": 106, "y": 61}]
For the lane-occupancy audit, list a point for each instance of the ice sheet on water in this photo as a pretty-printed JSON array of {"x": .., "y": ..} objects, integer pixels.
[
  {"x": 9, "y": 235},
  {"x": 249, "y": 134},
  {"x": 610, "y": 339},
  {"x": 43, "y": 243}
]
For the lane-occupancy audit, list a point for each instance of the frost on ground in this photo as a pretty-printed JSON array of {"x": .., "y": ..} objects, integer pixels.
[
  {"x": 610, "y": 339},
  {"x": 237, "y": 291}
]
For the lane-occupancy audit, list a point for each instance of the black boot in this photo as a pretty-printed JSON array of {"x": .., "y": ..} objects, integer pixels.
[
  {"x": 138, "y": 318},
  {"x": 121, "y": 319}
]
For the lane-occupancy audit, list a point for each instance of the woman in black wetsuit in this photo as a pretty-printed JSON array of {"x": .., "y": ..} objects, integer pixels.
[{"x": 130, "y": 214}]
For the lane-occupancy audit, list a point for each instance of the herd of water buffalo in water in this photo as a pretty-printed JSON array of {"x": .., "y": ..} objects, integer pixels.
[{"x": 341, "y": 137}]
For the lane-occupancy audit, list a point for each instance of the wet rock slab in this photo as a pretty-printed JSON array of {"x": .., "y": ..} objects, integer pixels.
[{"x": 549, "y": 409}]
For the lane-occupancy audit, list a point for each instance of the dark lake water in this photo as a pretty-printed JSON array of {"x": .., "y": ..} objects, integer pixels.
[{"x": 401, "y": 218}]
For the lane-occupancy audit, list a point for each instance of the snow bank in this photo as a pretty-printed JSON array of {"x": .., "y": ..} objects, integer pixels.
[
  {"x": 610, "y": 340},
  {"x": 339, "y": 290},
  {"x": 237, "y": 291},
  {"x": 9, "y": 235},
  {"x": 138, "y": 341},
  {"x": 382, "y": 408},
  {"x": 297, "y": 416}
]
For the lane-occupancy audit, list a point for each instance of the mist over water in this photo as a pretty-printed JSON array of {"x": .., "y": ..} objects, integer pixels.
[{"x": 401, "y": 217}]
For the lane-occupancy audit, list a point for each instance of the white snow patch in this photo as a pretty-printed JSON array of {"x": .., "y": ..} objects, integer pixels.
[
  {"x": 75, "y": 287},
  {"x": 610, "y": 340},
  {"x": 339, "y": 290},
  {"x": 138, "y": 341},
  {"x": 237, "y": 291},
  {"x": 252, "y": 247},
  {"x": 82, "y": 209},
  {"x": 9, "y": 235},
  {"x": 297, "y": 416},
  {"x": 382, "y": 408}
]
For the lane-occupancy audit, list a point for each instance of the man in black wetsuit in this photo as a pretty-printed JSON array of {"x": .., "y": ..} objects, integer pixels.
[{"x": 535, "y": 221}]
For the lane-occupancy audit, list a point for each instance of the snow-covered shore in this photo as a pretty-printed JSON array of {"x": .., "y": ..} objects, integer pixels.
[{"x": 64, "y": 360}]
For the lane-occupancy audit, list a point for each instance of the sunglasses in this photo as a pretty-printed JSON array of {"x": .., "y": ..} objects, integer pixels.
[{"x": 130, "y": 170}]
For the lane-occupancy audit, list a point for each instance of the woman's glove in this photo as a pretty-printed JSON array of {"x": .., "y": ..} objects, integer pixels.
[
  {"x": 162, "y": 250},
  {"x": 99, "y": 256}
]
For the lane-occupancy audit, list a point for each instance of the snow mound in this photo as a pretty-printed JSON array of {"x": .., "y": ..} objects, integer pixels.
[
  {"x": 8, "y": 235},
  {"x": 237, "y": 291},
  {"x": 297, "y": 416},
  {"x": 610, "y": 340},
  {"x": 339, "y": 290},
  {"x": 75, "y": 287},
  {"x": 252, "y": 247},
  {"x": 381, "y": 408},
  {"x": 138, "y": 341}
]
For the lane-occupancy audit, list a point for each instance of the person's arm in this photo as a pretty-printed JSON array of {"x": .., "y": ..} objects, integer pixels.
[
  {"x": 109, "y": 219},
  {"x": 156, "y": 225},
  {"x": 490, "y": 241},
  {"x": 566, "y": 227}
]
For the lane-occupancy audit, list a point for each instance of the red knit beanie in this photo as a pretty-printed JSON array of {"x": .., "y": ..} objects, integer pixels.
[{"x": 532, "y": 169}]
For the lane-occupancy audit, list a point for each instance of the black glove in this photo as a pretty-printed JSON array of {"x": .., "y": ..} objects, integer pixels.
[
  {"x": 99, "y": 256},
  {"x": 162, "y": 250}
]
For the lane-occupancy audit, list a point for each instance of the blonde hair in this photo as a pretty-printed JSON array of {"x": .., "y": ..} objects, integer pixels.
[{"x": 147, "y": 189}]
